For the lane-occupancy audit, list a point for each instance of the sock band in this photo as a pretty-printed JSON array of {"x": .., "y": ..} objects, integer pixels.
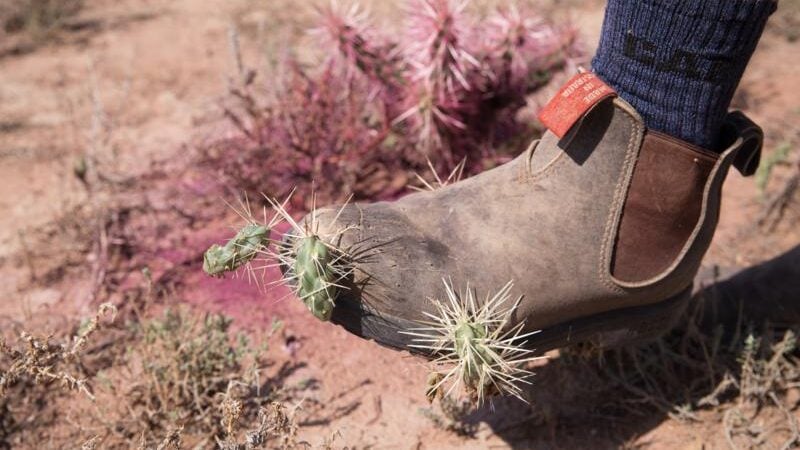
[{"x": 678, "y": 62}]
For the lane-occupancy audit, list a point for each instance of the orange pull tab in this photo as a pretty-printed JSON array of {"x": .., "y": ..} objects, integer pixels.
[{"x": 575, "y": 99}]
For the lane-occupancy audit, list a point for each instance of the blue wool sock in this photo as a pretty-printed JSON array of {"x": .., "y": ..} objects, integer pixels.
[{"x": 678, "y": 62}]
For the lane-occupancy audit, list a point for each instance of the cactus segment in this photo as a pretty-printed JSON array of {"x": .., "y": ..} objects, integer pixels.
[
  {"x": 469, "y": 345},
  {"x": 313, "y": 266},
  {"x": 248, "y": 242},
  {"x": 315, "y": 277},
  {"x": 484, "y": 352}
]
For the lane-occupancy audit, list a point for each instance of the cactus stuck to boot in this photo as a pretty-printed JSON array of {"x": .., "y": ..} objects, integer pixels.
[
  {"x": 315, "y": 276},
  {"x": 250, "y": 241},
  {"x": 243, "y": 248},
  {"x": 475, "y": 345},
  {"x": 313, "y": 266}
]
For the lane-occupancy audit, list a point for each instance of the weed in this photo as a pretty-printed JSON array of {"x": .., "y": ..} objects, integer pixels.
[
  {"x": 45, "y": 362},
  {"x": 36, "y": 17},
  {"x": 273, "y": 422},
  {"x": 186, "y": 377}
]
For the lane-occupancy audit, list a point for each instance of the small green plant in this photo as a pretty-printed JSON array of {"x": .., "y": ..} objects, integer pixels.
[{"x": 484, "y": 352}]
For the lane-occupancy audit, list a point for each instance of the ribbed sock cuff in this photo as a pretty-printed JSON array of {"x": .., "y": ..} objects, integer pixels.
[{"x": 678, "y": 62}]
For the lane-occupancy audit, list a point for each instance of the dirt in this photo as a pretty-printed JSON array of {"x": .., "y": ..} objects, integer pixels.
[{"x": 142, "y": 84}]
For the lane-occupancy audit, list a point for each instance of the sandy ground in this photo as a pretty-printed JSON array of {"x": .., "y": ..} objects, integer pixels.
[{"x": 144, "y": 83}]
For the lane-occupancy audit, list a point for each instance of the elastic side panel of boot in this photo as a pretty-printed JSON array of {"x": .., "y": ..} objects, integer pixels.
[{"x": 662, "y": 207}]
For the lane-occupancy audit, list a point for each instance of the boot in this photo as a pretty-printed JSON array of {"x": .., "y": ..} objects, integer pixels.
[{"x": 601, "y": 225}]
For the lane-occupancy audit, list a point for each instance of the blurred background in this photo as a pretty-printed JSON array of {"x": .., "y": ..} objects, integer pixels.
[{"x": 132, "y": 133}]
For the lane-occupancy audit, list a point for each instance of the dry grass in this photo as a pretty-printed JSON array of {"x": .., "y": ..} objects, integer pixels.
[
  {"x": 26, "y": 24},
  {"x": 743, "y": 374},
  {"x": 36, "y": 17},
  {"x": 184, "y": 379},
  {"x": 187, "y": 371},
  {"x": 777, "y": 202},
  {"x": 44, "y": 362}
]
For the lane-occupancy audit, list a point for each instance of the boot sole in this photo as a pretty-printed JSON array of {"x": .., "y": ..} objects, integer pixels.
[{"x": 617, "y": 328}]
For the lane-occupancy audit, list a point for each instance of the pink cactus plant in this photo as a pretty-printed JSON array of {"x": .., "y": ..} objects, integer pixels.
[{"x": 380, "y": 106}]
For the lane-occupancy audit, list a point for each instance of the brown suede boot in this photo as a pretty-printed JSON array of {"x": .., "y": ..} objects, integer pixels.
[{"x": 601, "y": 231}]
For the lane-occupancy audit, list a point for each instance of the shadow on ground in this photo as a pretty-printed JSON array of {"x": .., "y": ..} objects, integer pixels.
[{"x": 612, "y": 395}]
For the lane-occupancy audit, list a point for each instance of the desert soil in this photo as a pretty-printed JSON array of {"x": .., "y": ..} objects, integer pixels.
[{"x": 142, "y": 81}]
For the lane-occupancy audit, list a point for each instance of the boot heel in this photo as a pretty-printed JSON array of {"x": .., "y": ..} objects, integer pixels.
[
  {"x": 646, "y": 324},
  {"x": 629, "y": 326}
]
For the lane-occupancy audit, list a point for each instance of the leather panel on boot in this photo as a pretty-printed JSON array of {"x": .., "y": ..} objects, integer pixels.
[{"x": 662, "y": 207}]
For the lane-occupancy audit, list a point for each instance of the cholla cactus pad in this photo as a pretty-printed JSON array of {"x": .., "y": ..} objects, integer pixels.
[
  {"x": 243, "y": 248},
  {"x": 315, "y": 267},
  {"x": 250, "y": 241},
  {"x": 315, "y": 276},
  {"x": 475, "y": 344}
]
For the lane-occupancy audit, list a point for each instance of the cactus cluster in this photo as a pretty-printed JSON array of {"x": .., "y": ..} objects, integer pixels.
[
  {"x": 472, "y": 342},
  {"x": 312, "y": 267},
  {"x": 446, "y": 84},
  {"x": 475, "y": 343}
]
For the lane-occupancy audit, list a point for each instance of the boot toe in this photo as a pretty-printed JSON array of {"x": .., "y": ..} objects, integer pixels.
[{"x": 390, "y": 265}]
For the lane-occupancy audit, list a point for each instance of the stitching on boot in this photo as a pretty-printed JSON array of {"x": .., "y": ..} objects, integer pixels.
[
  {"x": 528, "y": 176},
  {"x": 529, "y": 152},
  {"x": 547, "y": 170},
  {"x": 615, "y": 209}
]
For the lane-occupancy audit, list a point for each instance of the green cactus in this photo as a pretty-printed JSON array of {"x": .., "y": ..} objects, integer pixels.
[
  {"x": 488, "y": 353},
  {"x": 316, "y": 276},
  {"x": 313, "y": 267},
  {"x": 240, "y": 250},
  {"x": 469, "y": 345}
]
